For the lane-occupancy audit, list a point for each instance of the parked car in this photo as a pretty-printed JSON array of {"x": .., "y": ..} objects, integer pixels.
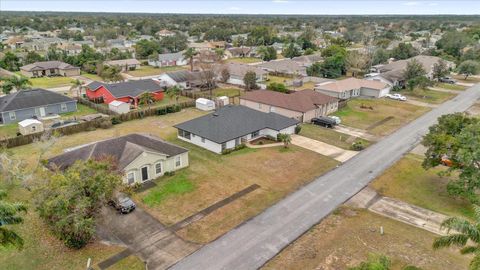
[
  {"x": 324, "y": 122},
  {"x": 122, "y": 203},
  {"x": 448, "y": 80},
  {"x": 396, "y": 97},
  {"x": 337, "y": 119}
]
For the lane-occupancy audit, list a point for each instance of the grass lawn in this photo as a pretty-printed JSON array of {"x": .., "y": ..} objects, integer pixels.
[
  {"x": 450, "y": 86},
  {"x": 402, "y": 113},
  {"x": 150, "y": 71},
  {"x": 93, "y": 77},
  {"x": 215, "y": 177},
  {"x": 277, "y": 79},
  {"x": 347, "y": 237},
  {"x": 330, "y": 136},
  {"x": 81, "y": 111},
  {"x": 305, "y": 86},
  {"x": 229, "y": 92},
  {"x": 408, "y": 181},
  {"x": 429, "y": 96},
  {"x": 51, "y": 82},
  {"x": 8, "y": 130},
  {"x": 243, "y": 60},
  {"x": 470, "y": 79}
]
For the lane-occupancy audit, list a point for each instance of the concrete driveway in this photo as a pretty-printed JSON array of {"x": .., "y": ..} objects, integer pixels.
[
  {"x": 146, "y": 237},
  {"x": 360, "y": 133},
  {"x": 334, "y": 152}
]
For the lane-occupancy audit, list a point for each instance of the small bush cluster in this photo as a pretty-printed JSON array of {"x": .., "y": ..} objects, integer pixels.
[
  {"x": 358, "y": 146},
  {"x": 172, "y": 173},
  {"x": 298, "y": 129},
  {"x": 278, "y": 87},
  {"x": 238, "y": 147}
]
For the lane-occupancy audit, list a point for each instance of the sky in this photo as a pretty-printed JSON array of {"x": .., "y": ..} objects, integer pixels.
[{"x": 314, "y": 7}]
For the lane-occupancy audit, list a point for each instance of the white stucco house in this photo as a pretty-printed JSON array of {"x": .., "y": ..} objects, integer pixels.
[
  {"x": 232, "y": 125},
  {"x": 353, "y": 87}
]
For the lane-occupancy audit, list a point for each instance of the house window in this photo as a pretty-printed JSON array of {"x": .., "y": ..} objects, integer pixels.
[
  {"x": 12, "y": 115},
  {"x": 203, "y": 140},
  {"x": 255, "y": 133},
  {"x": 272, "y": 109},
  {"x": 178, "y": 161},
  {"x": 52, "y": 71},
  {"x": 34, "y": 128},
  {"x": 184, "y": 134},
  {"x": 158, "y": 168},
  {"x": 63, "y": 107},
  {"x": 131, "y": 178}
]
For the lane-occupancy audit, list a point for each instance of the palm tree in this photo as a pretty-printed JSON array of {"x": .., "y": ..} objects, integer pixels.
[
  {"x": 174, "y": 92},
  {"x": 465, "y": 232},
  {"x": 285, "y": 138},
  {"x": 190, "y": 53},
  {"x": 9, "y": 216},
  {"x": 15, "y": 82},
  {"x": 78, "y": 85},
  {"x": 146, "y": 99}
]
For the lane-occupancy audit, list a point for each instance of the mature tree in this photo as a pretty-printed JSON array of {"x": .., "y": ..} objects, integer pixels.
[
  {"x": 173, "y": 44},
  {"x": 15, "y": 83},
  {"x": 413, "y": 70},
  {"x": 69, "y": 201},
  {"x": 454, "y": 42},
  {"x": 285, "y": 138},
  {"x": 333, "y": 66},
  {"x": 315, "y": 70},
  {"x": 440, "y": 69},
  {"x": 356, "y": 62},
  {"x": 463, "y": 233},
  {"x": 33, "y": 57},
  {"x": 10, "y": 62},
  {"x": 147, "y": 99},
  {"x": 174, "y": 93},
  {"x": 267, "y": 53},
  {"x": 111, "y": 74},
  {"x": 468, "y": 68},
  {"x": 403, "y": 51},
  {"x": 333, "y": 50},
  {"x": 77, "y": 85},
  {"x": 380, "y": 56},
  {"x": 250, "y": 80},
  {"x": 9, "y": 215},
  {"x": 145, "y": 48},
  {"x": 219, "y": 53},
  {"x": 291, "y": 51},
  {"x": 277, "y": 87},
  {"x": 225, "y": 74},
  {"x": 374, "y": 262},
  {"x": 261, "y": 35},
  {"x": 456, "y": 138},
  {"x": 189, "y": 54},
  {"x": 309, "y": 51}
]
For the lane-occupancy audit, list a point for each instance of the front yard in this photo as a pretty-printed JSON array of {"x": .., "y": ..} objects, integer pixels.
[
  {"x": 243, "y": 60},
  {"x": 428, "y": 96},
  {"x": 450, "y": 86},
  {"x": 51, "y": 82},
  {"x": 330, "y": 136},
  {"x": 408, "y": 181},
  {"x": 151, "y": 71},
  {"x": 386, "y": 116}
]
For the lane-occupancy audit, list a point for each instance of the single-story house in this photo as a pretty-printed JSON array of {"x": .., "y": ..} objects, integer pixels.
[
  {"x": 169, "y": 60},
  {"x": 33, "y": 103},
  {"x": 284, "y": 66},
  {"x": 119, "y": 106},
  {"x": 185, "y": 79},
  {"x": 128, "y": 92},
  {"x": 30, "y": 126},
  {"x": 124, "y": 64},
  {"x": 353, "y": 87},
  {"x": 238, "y": 52},
  {"x": 237, "y": 72},
  {"x": 165, "y": 33},
  {"x": 232, "y": 125},
  {"x": 308, "y": 60},
  {"x": 140, "y": 157},
  {"x": 301, "y": 105},
  {"x": 49, "y": 68}
]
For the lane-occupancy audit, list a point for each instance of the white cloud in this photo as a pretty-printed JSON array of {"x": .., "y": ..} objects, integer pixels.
[
  {"x": 234, "y": 8},
  {"x": 412, "y": 3},
  {"x": 433, "y": 4},
  {"x": 280, "y": 1}
]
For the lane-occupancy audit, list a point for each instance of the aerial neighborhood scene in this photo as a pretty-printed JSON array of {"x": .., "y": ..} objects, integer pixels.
[{"x": 262, "y": 134}]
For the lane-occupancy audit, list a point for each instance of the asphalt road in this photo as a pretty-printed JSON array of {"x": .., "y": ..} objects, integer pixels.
[{"x": 256, "y": 241}]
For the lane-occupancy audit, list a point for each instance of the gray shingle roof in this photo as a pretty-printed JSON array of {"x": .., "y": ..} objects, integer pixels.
[
  {"x": 170, "y": 56},
  {"x": 123, "y": 149},
  {"x": 31, "y": 98},
  {"x": 231, "y": 122},
  {"x": 132, "y": 88},
  {"x": 47, "y": 65},
  {"x": 180, "y": 75}
]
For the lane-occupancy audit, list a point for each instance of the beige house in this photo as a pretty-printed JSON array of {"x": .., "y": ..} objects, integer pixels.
[
  {"x": 302, "y": 105},
  {"x": 140, "y": 157},
  {"x": 49, "y": 68},
  {"x": 124, "y": 64},
  {"x": 353, "y": 87}
]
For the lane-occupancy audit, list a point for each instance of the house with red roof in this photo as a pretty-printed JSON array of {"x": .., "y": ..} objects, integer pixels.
[{"x": 128, "y": 92}]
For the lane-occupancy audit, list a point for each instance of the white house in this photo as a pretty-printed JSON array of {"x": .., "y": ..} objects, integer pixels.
[
  {"x": 204, "y": 104},
  {"x": 119, "y": 106},
  {"x": 29, "y": 126},
  {"x": 168, "y": 60},
  {"x": 353, "y": 87},
  {"x": 232, "y": 125}
]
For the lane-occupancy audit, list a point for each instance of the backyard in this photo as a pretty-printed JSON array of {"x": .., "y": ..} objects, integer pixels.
[
  {"x": 429, "y": 96},
  {"x": 243, "y": 60},
  {"x": 450, "y": 86},
  {"x": 93, "y": 77},
  {"x": 348, "y": 236},
  {"x": 51, "y": 82},
  {"x": 151, "y": 71},
  {"x": 408, "y": 181},
  {"x": 8, "y": 130},
  {"x": 378, "y": 116},
  {"x": 81, "y": 111},
  {"x": 330, "y": 136}
]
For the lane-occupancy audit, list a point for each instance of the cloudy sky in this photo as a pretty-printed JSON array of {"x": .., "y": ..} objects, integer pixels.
[{"x": 252, "y": 7}]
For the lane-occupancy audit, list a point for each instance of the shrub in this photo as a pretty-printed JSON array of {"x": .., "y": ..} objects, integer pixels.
[
  {"x": 298, "y": 129},
  {"x": 271, "y": 138},
  {"x": 358, "y": 146},
  {"x": 230, "y": 150},
  {"x": 116, "y": 120},
  {"x": 106, "y": 124},
  {"x": 278, "y": 87},
  {"x": 171, "y": 173}
]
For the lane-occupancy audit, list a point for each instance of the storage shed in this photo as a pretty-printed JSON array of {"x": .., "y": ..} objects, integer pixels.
[
  {"x": 223, "y": 101},
  {"x": 119, "y": 106},
  {"x": 205, "y": 104},
  {"x": 29, "y": 126}
]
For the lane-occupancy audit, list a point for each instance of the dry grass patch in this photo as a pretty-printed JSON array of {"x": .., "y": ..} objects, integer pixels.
[
  {"x": 345, "y": 239},
  {"x": 363, "y": 118},
  {"x": 330, "y": 136},
  {"x": 428, "y": 96},
  {"x": 216, "y": 177},
  {"x": 151, "y": 71}
]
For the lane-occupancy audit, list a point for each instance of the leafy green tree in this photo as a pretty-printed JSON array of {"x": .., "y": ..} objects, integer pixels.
[
  {"x": 380, "y": 56},
  {"x": 466, "y": 234},
  {"x": 333, "y": 50},
  {"x": 291, "y": 51},
  {"x": 267, "y": 53},
  {"x": 277, "y": 87},
  {"x": 15, "y": 83},
  {"x": 174, "y": 93},
  {"x": 333, "y": 66},
  {"x": 469, "y": 68},
  {"x": 250, "y": 80},
  {"x": 454, "y": 42},
  {"x": 374, "y": 262},
  {"x": 145, "y": 48},
  {"x": 69, "y": 201},
  {"x": 33, "y": 57},
  {"x": 457, "y": 139},
  {"x": 261, "y": 35},
  {"x": 413, "y": 70},
  {"x": 220, "y": 53},
  {"x": 111, "y": 74},
  {"x": 175, "y": 43},
  {"x": 146, "y": 99},
  {"x": 440, "y": 70},
  {"x": 285, "y": 138},
  {"x": 10, "y": 62},
  {"x": 189, "y": 54},
  {"x": 9, "y": 215},
  {"x": 309, "y": 51},
  {"x": 403, "y": 51}
]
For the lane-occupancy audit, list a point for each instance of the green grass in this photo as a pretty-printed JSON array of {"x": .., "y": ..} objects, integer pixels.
[
  {"x": 428, "y": 96},
  {"x": 229, "y": 92},
  {"x": 93, "y": 77},
  {"x": 8, "y": 130},
  {"x": 277, "y": 79},
  {"x": 174, "y": 185},
  {"x": 81, "y": 111},
  {"x": 150, "y": 71},
  {"x": 330, "y": 136},
  {"x": 244, "y": 60},
  {"x": 51, "y": 82},
  {"x": 450, "y": 86},
  {"x": 408, "y": 181}
]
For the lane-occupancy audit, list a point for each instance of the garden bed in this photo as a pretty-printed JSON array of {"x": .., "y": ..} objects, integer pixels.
[{"x": 263, "y": 141}]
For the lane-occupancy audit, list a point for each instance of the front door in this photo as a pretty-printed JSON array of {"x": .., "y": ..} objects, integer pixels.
[
  {"x": 144, "y": 173},
  {"x": 42, "y": 111}
]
